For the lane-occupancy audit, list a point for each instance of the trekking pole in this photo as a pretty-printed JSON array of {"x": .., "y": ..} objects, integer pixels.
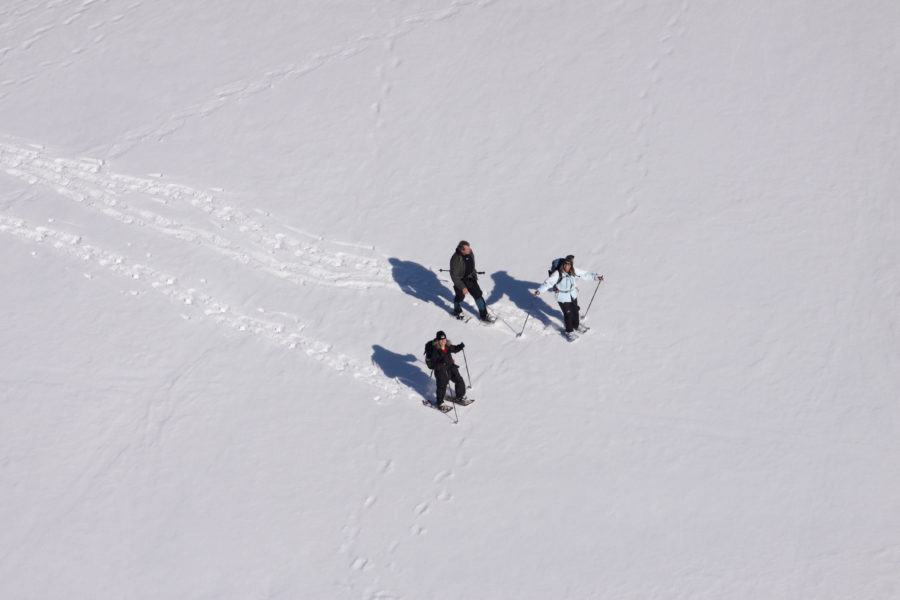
[
  {"x": 592, "y": 298},
  {"x": 448, "y": 270},
  {"x": 530, "y": 308},
  {"x": 466, "y": 362}
]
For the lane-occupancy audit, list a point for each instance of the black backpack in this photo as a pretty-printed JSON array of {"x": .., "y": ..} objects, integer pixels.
[
  {"x": 554, "y": 266},
  {"x": 428, "y": 354}
]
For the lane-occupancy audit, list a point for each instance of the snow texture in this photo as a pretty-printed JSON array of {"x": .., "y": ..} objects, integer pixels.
[{"x": 222, "y": 227}]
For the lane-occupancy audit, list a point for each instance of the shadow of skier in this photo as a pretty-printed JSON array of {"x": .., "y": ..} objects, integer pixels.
[
  {"x": 420, "y": 283},
  {"x": 521, "y": 293},
  {"x": 404, "y": 368}
]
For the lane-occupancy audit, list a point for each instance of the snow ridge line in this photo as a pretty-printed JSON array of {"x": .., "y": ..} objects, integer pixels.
[
  {"x": 210, "y": 308},
  {"x": 239, "y": 237}
]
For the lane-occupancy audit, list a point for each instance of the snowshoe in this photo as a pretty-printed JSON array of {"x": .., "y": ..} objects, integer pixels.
[{"x": 441, "y": 407}]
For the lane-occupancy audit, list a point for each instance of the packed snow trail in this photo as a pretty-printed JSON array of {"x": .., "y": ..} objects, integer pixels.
[
  {"x": 198, "y": 303},
  {"x": 250, "y": 238},
  {"x": 247, "y": 239}
]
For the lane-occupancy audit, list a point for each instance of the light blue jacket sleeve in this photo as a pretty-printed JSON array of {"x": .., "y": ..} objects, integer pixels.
[
  {"x": 548, "y": 283},
  {"x": 566, "y": 290}
]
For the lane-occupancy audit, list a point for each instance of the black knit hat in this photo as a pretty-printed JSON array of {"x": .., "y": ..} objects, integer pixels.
[
  {"x": 462, "y": 244},
  {"x": 440, "y": 335}
]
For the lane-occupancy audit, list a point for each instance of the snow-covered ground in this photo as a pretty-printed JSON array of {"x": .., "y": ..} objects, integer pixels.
[{"x": 222, "y": 224}]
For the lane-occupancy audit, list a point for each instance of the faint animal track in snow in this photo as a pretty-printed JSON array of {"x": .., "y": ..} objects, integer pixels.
[
  {"x": 350, "y": 533},
  {"x": 360, "y": 548},
  {"x": 440, "y": 493},
  {"x": 641, "y": 128},
  {"x": 444, "y": 496},
  {"x": 17, "y": 14},
  {"x": 442, "y": 476},
  {"x": 239, "y": 90}
]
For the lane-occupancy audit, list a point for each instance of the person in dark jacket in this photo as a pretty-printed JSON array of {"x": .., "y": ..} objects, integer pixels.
[
  {"x": 445, "y": 369},
  {"x": 465, "y": 281}
]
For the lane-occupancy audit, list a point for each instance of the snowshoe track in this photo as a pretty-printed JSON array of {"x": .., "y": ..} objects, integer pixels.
[
  {"x": 179, "y": 214},
  {"x": 254, "y": 240},
  {"x": 196, "y": 302}
]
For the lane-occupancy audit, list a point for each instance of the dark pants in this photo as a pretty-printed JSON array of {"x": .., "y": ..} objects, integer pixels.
[
  {"x": 444, "y": 377},
  {"x": 570, "y": 314},
  {"x": 476, "y": 293}
]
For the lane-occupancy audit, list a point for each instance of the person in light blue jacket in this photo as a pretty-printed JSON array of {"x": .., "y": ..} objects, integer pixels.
[{"x": 564, "y": 283}]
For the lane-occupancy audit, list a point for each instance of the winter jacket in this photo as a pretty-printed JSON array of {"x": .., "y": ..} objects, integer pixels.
[
  {"x": 441, "y": 360},
  {"x": 567, "y": 289},
  {"x": 458, "y": 269}
]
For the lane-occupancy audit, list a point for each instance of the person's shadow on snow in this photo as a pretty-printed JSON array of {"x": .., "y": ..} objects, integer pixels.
[
  {"x": 420, "y": 283},
  {"x": 405, "y": 368},
  {"x": 521, "y": 293}
]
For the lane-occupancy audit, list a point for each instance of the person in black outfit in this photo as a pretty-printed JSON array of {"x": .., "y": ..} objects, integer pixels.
[
  {"x": 445, "y": 369},
  {"x": 465, "y": 280}
]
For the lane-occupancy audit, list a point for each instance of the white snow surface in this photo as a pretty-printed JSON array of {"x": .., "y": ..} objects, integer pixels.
[{"x": 222, "y": 225}]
